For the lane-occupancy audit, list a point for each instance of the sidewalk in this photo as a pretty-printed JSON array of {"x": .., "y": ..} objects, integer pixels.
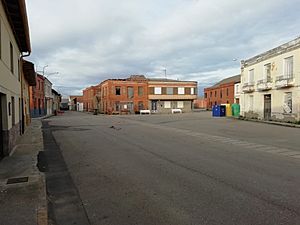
[
  {"x": 270, "y": 122},
  {"x": 23, "y": 201}
]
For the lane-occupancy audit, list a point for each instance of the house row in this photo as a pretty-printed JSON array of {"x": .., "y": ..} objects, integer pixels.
[
  {"x": 136, "y": 93},
  {"x": 44, "y": 100},
  {"x": 17, "y": 76},
  {"x": 268, "y": 87}
]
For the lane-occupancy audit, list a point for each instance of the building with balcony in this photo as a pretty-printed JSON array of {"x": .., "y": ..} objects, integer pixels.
[
  {"x": 270, "y": 84},
  {"x": 223, "y": 92},
  {"x": 14, "y": 43}
]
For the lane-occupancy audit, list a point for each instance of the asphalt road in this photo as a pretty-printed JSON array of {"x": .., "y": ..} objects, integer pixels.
[{"x": 178, "y": 169}]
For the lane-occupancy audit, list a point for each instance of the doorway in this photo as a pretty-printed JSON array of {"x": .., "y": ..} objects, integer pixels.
[
  {"x": 267, "y": 107},
  {"x": 154, "y": 105},
  {"x": 1, "y": 126}
]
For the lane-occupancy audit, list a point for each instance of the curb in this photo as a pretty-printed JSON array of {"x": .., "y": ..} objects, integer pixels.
[
  {"x": 268, "y": 122},
  {"x": 42, "y": 210}
]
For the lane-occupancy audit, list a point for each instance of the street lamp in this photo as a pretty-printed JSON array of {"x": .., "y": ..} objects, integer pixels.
[
  {"x": 44, "y": 69},
  {"x": 49, "y": 74}
]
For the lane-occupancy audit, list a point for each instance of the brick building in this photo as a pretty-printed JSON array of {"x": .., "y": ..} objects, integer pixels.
[
  {"x": 89, "y": 98},
  {"x": 222, "y": 92},
  {"x": 130, "y": 95},
  {"x": 37, "y": 97},
  {"x": 200, "y": 103},
  {"x": 123, "y": 95}
]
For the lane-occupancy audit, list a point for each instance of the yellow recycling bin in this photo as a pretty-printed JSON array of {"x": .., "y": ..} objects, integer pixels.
[{"x": 228, "y": 109}]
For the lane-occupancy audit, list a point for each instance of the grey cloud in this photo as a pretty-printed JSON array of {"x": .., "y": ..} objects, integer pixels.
[{"x": 88, "y": 41}]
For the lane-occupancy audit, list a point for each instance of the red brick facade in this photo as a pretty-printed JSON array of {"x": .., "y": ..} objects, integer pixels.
[
  {"x": 200, "y": 103},
  {"x": 117, "y": 96},
  {"x": 37, "y": 97},
  {"x": 122, "y": 96},
  {"x": 89, "y": 98},
  {"x": 221, "y": 93}
]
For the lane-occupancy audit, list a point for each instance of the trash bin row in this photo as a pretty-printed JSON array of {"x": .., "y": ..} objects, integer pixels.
[{"x": 226, "y": 110}]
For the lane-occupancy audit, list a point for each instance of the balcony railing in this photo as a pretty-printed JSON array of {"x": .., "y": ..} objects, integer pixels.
[
  {"x": 248, "y": 87},
  {"x": 264, "y": 84},
  {"x": 284, "y": 81}
]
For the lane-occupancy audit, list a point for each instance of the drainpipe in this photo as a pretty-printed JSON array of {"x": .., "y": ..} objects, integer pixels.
[{"x": 22, "y": 122}]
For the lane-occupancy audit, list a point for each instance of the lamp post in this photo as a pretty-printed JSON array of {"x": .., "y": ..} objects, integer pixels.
[
  {"x": 49, "y": 74},
  {"x": 44, "y": 67}
]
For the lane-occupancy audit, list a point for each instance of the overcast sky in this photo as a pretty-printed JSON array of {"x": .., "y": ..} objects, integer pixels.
[{"x": 92, "y": 40}]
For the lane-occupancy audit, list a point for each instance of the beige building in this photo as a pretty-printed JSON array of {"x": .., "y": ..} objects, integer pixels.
[
  {"x": 14, "y": 42},
  {"x": 270, "y": 84},
  {"x": 166, "y": 95}
]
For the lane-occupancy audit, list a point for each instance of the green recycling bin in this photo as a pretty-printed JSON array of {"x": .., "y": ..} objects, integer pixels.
[{"x": 235, "y": 110}]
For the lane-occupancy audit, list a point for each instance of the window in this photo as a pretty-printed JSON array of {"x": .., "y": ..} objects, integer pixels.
[
  {"x": 157, "y": 90},
  {"x": 215, "y": 93},
  {"x": 205, "y": 95},
  {"x": 288, "y": 67},
  {"x": 267, "y": 71},
  {"x": 118, "y": 90},
  {"x": 187, "y": 91},
  {"x": 192, "y": 91},
  {"x": 237, "y": 89},
  {"x": 210, "y": 94},
  {"x": 181, "y": 90},
  {"x": 227, "y": 92},
  {"x": 11, "y": 58},
  {"x": 130, "y": 92},
  {"x": 221, "y": 93},
  {"x": 169, "y": 90},
  {"x": 180, "y": 104},
  {"x": 251, "y": 103},
  {"x": 288, "y": 104},
  {"x": 140, "y": 91},
  {"x": 167, "y": 105},
  {"x": 13, "y": 111},
  {"x": 251, "y": 76}
]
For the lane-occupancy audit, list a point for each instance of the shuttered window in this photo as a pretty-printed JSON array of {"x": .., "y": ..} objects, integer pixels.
[{"x": 288, "y": 67}]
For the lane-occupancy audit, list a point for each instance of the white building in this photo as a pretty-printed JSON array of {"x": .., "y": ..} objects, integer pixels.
[
  {"x": 48, "y": 97},
  {"x": 270, "y": 84},
  {"x": 237, "y": 92}
]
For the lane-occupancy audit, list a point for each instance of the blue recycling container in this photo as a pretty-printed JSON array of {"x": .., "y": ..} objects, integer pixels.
[{"x": 219, "y": 110}]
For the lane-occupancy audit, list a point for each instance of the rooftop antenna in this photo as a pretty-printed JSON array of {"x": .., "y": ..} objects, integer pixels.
[{"x": 165, "y": 70}]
